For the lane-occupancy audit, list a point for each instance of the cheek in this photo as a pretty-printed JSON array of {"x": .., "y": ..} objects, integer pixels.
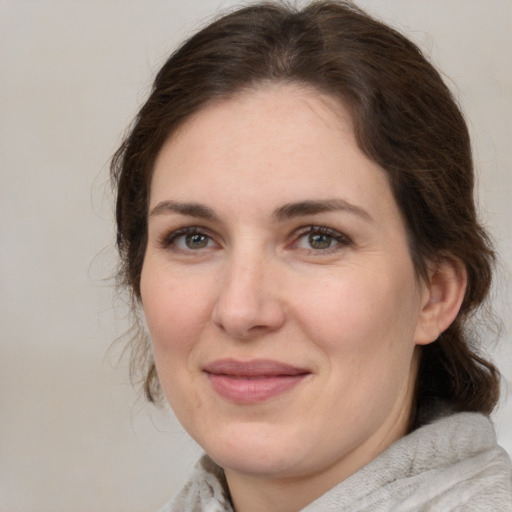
[
  {"x": 364, "y": 328},
  {"x": 175, "y": 309},
  {"x": 362, "y": 314},
  {"x": 176, "y": 312}
]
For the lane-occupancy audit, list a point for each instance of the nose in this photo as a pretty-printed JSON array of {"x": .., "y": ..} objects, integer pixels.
[{"x": 248, "y": 303}]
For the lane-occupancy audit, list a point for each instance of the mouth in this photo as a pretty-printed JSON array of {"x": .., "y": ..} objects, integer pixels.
[{"x": 252, "y": 382}]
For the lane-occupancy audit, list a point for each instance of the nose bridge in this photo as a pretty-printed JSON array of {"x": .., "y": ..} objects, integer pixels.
[{"x": 248, "y": 300}]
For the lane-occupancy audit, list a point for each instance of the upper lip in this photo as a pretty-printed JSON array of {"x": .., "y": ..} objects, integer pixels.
[{"x": 253, "y": 368}]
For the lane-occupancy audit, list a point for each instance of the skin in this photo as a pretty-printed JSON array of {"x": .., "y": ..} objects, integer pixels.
[{"x": 255, "y": 280}]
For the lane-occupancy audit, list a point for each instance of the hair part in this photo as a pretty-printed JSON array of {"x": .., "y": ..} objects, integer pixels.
[{"x": 405, "y": 119}]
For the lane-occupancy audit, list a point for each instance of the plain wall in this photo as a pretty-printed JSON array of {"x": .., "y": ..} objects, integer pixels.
[{"x": 73, "y": 435}]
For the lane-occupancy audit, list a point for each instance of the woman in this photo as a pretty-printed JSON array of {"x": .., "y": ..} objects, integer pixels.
[{"x": 295, "y": 217}]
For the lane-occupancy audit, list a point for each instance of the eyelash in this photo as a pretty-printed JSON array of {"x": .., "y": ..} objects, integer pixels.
[
  {"x": 170, "y": 239},
  {"x": 340, "y": 239}
]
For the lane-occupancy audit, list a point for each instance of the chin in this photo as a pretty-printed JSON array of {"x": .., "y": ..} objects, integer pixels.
[
  {"x": 256, "y": 450},
  {"x": 259, "y": 464}
]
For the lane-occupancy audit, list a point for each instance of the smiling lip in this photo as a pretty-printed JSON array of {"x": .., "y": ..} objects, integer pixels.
[{"x": 253, "y": 381}]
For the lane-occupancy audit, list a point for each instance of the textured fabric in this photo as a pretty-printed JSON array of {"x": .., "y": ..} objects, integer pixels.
[
  {"x": 206, "y": 491},
  {"x": 452, "y": 464}
]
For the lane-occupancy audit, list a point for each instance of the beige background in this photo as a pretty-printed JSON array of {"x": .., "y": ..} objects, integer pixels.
[{"x": 73, "y": 436}]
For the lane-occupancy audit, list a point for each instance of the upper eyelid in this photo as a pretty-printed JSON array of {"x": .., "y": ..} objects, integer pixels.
[
  {"x": 187, "y": 228},
  {"x": 304, "y": 230}
]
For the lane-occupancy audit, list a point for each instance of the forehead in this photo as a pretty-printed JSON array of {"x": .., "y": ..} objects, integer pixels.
[{"x": 282, "y": 143}]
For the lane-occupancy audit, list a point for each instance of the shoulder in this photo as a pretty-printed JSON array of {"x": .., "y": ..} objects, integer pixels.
[
  {"x": 451, "y": 464},
  {"x": 459, "y": 466}
]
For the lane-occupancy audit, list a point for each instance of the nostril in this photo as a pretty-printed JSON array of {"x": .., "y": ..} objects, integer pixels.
[{"x": 243, "y": 320}]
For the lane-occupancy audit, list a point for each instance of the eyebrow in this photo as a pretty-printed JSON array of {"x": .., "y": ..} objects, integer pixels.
[
  {"x": 285, "y": 212},
  {"x": 189, "y": 209},
  {"x": 312, "y": 207}
]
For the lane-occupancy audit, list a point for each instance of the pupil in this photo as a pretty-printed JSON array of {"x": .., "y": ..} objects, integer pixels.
[
  {"x": 320, "y": 241},
  {"x": 196, "y": 241}
]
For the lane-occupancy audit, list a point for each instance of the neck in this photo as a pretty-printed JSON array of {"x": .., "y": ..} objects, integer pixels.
[{"x": 253, "y": 494}]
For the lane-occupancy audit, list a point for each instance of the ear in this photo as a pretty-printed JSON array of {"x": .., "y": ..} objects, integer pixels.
[{"x": 442, "y": 297}]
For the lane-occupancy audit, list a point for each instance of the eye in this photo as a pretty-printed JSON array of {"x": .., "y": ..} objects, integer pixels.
[
  {"x": 193, "y": 241},
  {"x": 188, "y": 239},
  {"x": 319, "y": 239}
]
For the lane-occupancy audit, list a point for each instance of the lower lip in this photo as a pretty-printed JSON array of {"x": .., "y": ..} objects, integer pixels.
[{"x": 253, "y": 390}]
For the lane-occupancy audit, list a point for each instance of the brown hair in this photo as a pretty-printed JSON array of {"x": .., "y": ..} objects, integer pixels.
[{"x": 405, "y": 119}]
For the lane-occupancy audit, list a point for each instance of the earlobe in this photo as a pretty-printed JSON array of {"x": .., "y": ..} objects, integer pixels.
[{"x": 442, "y": 299}]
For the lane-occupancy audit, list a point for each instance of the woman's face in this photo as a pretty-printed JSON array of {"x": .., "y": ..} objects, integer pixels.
[{"x": 278, "y": 289}]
